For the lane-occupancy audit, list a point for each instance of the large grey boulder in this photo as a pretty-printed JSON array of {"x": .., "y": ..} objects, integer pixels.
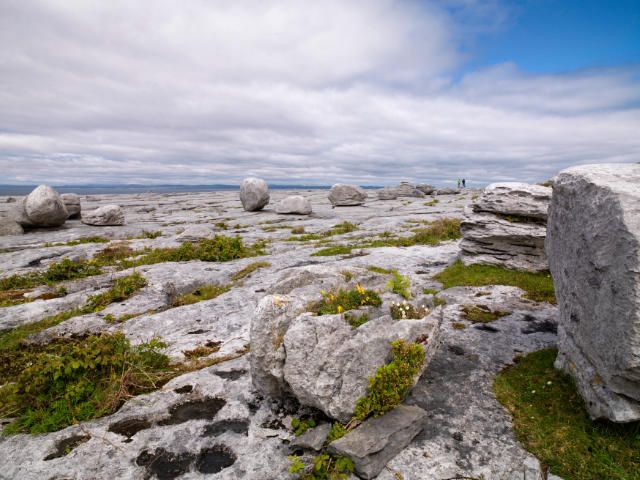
[
  {"x": 387, "y": 193},
  {"x": 43, "y": 207},
  {"x": 405, "y": 189},
  {"x": 447, "y": 191},
  {"x": 254, "y": 194},
  {"x": 72, "y": 202},
  {"x": 346, "y": 195},
  {"x": 426, "y": 188},
  {"x": 294, "y": 204},
  {"x": 8, "y": 226},
  {"x": 105, "y": 215},
  {"x": 374, "y": 443},
  {"x": 593, "y": 245},
  {"x": 492, "y": 240},
  {"x": 514, "y": 198}
]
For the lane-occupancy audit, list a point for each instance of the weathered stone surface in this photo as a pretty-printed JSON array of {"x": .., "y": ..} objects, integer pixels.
[
  {"x": 8, "y": 226},
  {"x": 492, "y": 240},
  {"x": 43, "y": 207},
  {"x": 72, "y": 202},
  {"x": 379, "y": 439},
  {"x": 193, "y": 233},
  {"x": 514, "y": 198},
  {"x": 426, "y": 188},
  {"x": 405, "y": 189},
  {"x": 387, "y": 193},
  {"x": 593, "y": 245},
  {"x": 107, "y": 215},
  {"x": 447, "y": 191},
  {"x": 254, "y": 194},
  {"x": 294, "y": 204},
  {"x": 347, "y": 195},
  {"x": 328, "y": 363},
  {"x": 313, "y": 439}
]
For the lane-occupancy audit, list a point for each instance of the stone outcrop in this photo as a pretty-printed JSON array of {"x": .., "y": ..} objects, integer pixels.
[
  {"x": 43, "y": 207},
  {"x": 72, "y": 202},
  {"x": 314, "y": 438},
  {"x": 447, "y": 191},
  {"x": 294, "y": 204},
  {"x": 343, "y": 195},
  {"x": 254, "y": 194},
  {"x": 405, "y": 189},
  {"x": 374, "y": 443},
  {"x": 322, "y": 360},
  {"x": 593, "y": 245},
  {"x": 506, "y": 226},
  {"x": 194, "y": 233},
  {"x": 104, "y": 216},
  {"x": 426, "y": 188}
]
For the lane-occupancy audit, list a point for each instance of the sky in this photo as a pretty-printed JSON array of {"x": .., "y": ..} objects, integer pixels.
[{"x": 296, "y": 92}]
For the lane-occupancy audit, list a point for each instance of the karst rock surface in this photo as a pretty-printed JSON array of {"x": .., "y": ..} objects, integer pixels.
[
  {"x": 405, "y": 189},
  {"x": 43, "y": 207},
  {"x": 506, "y": 226},
  {"x": 294, "y": 204},
  {"x": 254, "y": 194},
  {"x": 214, "y": 416},
  {"x": 593, "y": 245},
  {"x": 344, "y": 195},
  {"x": 104, "y": 216}
]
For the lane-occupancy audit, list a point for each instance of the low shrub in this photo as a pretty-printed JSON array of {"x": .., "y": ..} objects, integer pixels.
[
  {"x": 300, "y": 425},
  {"x": 391, "y": 382},
  {"x": 407, "y": 311},
  {"x": 344, "y": 300},
  {"x": 323, "y": 467},
  {"x": 356, "y": 320}
]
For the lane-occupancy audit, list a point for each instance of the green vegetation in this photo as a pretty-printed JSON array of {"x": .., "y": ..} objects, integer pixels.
[
  {"x": 222, "y": 225},
  {"x": 356, "y": 320},
  {"x": 122, "y": 289},
  {"x": 297, "y": 230},
  {"x": 56, "y": 272},
  {"x": 520, "y": 219},
  {"x": 344, "y": 300},
  {"x": 149, "y": 234},
  {"x": 407, "y": 311},
  {"x": 347, "y": 275},
  {"x": 539, "y": 286},
  {"x": 392, "y": 381},
  {"x": 324, "y": 467},
  {"x": 430, "y": 291},
  {"x": 400, "y": 285},
  {"x": 432, "y": 203},
  {"x": 300, "y": 425},
  {"x": 339, "y": 229},
  {"x": 383, "y": 271},
  {"x": 202, "y": 350},
  {"x": 550, "y": 420},
  {"x": 337, "y": 431},
  {"x": 481, "y": 313},
  {"x": 79, "y": 241},
  {"x": 331, "y": 251},
  {"x": 273, "y": 228},
  {"x": 68, "y": 381},
  {"x": 434, "y": 233},
  {"x": 200, "y": 294},
  {"x": 248, "y": 270}
]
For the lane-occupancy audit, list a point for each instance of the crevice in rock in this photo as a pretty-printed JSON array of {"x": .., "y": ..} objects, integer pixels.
[{"x": 66, "y": 446}]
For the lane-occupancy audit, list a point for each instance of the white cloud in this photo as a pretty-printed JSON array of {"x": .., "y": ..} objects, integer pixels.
[{"x": 208, "y": 92}]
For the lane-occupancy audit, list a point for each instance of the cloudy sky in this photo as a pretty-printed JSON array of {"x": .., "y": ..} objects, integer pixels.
[{"x": 365, "y": 91}]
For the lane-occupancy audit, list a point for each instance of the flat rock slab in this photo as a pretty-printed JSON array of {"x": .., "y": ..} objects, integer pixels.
[
  {"x": 515, "y": 198},
  {"x": 375, "y": 442},
  {"x": 104, "y": 216},
  {"x": 313, "y": 439}
]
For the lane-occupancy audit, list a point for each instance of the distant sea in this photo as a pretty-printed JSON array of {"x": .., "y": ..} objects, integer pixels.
[{"x": 103, "y": 189}]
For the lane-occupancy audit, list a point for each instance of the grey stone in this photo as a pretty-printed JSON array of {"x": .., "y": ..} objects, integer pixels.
[
  {"x": 387, "y": 193},
  {"x": 447, "y": 191},
  {"x": 426, "y": 188},
  {"x": 328, "y": 363},
  {"x": 514, "y": 198},
  {"x": 106, "y": 215},
  {"x": 254, "y": 194},
  {"x": 405, "y": 189},
  {"x": 493, "y": 240},
  {"x": 313, "y": 439},
  {"x": 294, "y": 204},
  {"x": 593, "y": 245},
  {"x": 43, "y": 207},
  {"x": 374, "y": 443},
  {"x": 72, "y": 202},
  {"x": 347, "y": 195},
  {"x": 8, "y": 226},
  {"x": 193, "y": 233}
]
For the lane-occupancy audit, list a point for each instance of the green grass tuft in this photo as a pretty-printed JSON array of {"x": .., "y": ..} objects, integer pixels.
[
  {"x": 550, "y": 420},
  {"x": 392, "y": 381},
  {"x": 432, "y": 203},
  {"x": 539, "y": 286},
  {"x": 331, "y": 251},
  {"x": 200, "y": 294},
  {"x": 380, "y": 270},
  {"x": 356, "y": 320},
  {"x": 79, "y": 241},
  {"x": 482, "y": 313},
  {"x": 400, "y": 285},
  {"x": 248, "y": 270}
]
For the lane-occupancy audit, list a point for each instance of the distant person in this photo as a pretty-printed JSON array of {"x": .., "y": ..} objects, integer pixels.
[
  {"x": 464, "y": 183},
  {"x": 458, "y": 183}
]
